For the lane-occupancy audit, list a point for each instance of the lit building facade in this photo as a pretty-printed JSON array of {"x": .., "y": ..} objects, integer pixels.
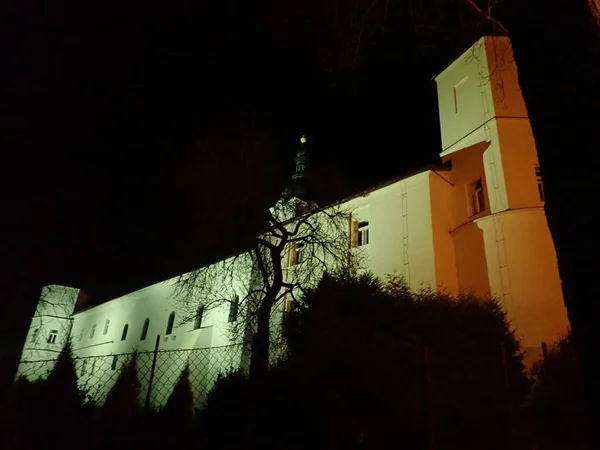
[{"x": 475, "y": 222}]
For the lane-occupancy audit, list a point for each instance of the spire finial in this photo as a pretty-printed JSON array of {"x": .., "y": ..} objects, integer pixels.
[{"x": 303, "y": 139}]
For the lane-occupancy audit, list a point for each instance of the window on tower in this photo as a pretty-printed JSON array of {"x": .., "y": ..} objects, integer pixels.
[
  {"x": 540, "y": 182},
  {"x": 477, "y": 196},
  {"x": 52, "y": 336},
  {"x": 34, "y": 335}
]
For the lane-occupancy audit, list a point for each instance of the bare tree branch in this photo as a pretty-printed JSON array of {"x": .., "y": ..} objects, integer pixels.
[{"x": 291, "y": 255}]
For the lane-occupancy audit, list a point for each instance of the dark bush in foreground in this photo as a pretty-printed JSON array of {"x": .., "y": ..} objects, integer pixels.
[
  {"x": 373, "y": 365},
  {"x": 555, "y": 406}
]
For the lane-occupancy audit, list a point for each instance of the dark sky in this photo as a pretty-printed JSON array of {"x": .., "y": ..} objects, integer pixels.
[{"x": 139, "y": 139}]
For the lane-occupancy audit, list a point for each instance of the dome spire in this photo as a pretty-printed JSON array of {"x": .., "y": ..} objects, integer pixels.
[
  {"x": 297, "y": 187},
  {"x": 301, "y": 161}
]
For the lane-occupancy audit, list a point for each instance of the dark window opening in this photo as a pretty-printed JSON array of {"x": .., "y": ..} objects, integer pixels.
[
  {"x": 124, "y": 334},
  {"x": 540, "y": 183},
  {"x": 198, "y": 318},
  {"x": 477, "y": 197},
  {"x": 233, "y": 309},
  {"x": 145, "y": 329},
  {"x": 299, "y": 249},
  {"x": 363, "y": 233},
  {"x": 170, "y": 323},
  {"x": 52, "y": 336}
]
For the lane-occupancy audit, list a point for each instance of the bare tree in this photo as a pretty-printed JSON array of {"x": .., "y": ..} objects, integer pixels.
[{"x": 300, "y": 243}]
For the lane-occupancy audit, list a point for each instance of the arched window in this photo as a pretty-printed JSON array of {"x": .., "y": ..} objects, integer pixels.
[
  {"x": 170, "y": 323},
  {"x": 198, "y": 318},
  {"x": 124, "y": 334},
  {"x": 145, "y": 329}
]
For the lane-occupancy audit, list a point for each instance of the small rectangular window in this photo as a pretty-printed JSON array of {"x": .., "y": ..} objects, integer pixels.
[
  {"x": 233, "y": 309},
  {"x": 113, "y": 366},
  {"x": 52, "y": 336},
  {"x": 540, "y": 183},
  {"x": 106, "y": 324},
  {"x": 299, "y": 252},
  {"x": 454, "y": 90},
  {"x": 93, "y": 331},
  {"x": 477, "y": 197},
  {"x": 296, "y": 255},
  {"x": 80, "y": 338},
  {"x": 363, "y": 233},
  {"x": 34, "y": 335},
  {"x": 199, "y": 316}
]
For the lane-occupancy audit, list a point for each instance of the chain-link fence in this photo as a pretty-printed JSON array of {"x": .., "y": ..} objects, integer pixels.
[{"x": 157, "y": 371}]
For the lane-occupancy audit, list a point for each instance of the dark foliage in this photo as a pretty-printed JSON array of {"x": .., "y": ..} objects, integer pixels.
[
  {"x": 366, "y": 352},
  {"x": 55, "y": 404},
  {"x": 555, "y": 404},
  {"x": 373, "y": 365},
  {"x": 224, "y": 419},
  {"x": 179, "y": 409},
  {"x": 122, "y": 401}
]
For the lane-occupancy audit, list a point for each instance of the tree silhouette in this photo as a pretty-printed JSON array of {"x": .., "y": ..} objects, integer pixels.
[
  {"x": 387, "y": 366},
  {"x": 122, "y": 401},
  {"x": 271, "y": 271},
  {"x": 180, "y": 406}
]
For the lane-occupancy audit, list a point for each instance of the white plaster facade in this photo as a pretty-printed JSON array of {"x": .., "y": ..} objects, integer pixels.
[{"x": 476, "y": 223}]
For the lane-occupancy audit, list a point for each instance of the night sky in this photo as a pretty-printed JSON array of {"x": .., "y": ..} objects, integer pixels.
[{"x": 140, "y": 141}]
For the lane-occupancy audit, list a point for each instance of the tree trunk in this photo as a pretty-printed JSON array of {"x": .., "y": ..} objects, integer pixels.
[
  {"x": 259, "y": 359},
  {"x": 557, "y": 51},
  {"x": 259, "y": 366}
]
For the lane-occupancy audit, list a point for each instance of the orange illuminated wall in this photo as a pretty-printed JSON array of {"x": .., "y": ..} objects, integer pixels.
[
  {"x": 446, "y": 275},
  {"x": 467, "y": 239},
  {"x": 506, "y": 249}
]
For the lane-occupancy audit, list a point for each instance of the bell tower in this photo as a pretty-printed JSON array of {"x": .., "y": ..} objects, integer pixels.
[{"x": 298, "y": 188}]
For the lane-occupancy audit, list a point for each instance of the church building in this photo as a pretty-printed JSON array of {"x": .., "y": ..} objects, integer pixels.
[{"x": 473, "y": 222}]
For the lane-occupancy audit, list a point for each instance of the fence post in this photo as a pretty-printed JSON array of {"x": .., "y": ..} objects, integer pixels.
[
  {"x": 152, "y": 371},
  {"x": 544, "y": 351},
  {"x": 428, "y": 398},
  {"x": 511, "y": 423}
]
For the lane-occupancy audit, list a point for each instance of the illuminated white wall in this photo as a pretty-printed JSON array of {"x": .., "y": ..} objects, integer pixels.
[
  {"x": 154, "y": 303},
  {"x": 400, "y": 230}
]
